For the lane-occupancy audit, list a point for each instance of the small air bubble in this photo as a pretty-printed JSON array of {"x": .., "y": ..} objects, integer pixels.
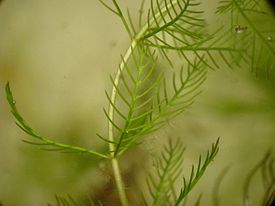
[
  {"x": 240, "y": 29},
  {"x": 269, "y": 38},
  {"x": 14, "y": 102}
]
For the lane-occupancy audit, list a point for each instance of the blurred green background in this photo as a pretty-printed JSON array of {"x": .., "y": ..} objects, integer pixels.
[{"x": 57, "y": 55}]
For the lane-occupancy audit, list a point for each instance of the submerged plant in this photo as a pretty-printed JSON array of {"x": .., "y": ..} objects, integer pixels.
[
  {"x": 267, "y": 170},
  {"x": 145, "y": 97},
  {"x": 252, "y": 21}
]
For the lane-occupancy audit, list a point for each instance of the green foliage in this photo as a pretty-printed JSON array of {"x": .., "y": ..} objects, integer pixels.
[
  {"x": 168, "y": 169},
  {"x": 43, "y": 142},
  {"x": 136, "y": 92},
  {"x": 251, "y": 21},
  {"x": 197, "y": 173},
  {"x": 217, "y": 186},
  {"x": 180, "y": 26},
  {"x": 266, "y": 167},
  {"x": 144, "y": 97},
  {"x": 170, "y": 26},
  {"x": 69, "y": 201},
  {"x": 147, "y": 99},
  {"x": 61, "y": 201}
]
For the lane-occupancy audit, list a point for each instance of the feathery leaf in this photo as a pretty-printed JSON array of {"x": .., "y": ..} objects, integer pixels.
[
  {"x": 216, "y": 189},
  {"x": 147, "y": 100},
  {"x": 266, "y": 166},
  {"x": 43, "y": 142},
  {"x": 136, "y": 92},
  {"x": 197, "y": 173},
  {"x": 168, "y": 169},
  {"x": 179, "y": 26},
  {"x": 254, "y": 31}
]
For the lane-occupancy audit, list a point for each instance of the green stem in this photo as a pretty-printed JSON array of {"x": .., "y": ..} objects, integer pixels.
[
  {"x": 112, "y": 147},
  {"x": 119, "y": 182},
  {"x": 115, "y": 164}
]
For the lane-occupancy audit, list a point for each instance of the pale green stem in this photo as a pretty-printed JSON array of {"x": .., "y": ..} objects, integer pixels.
[
  {"x": 115, "y": 165},
  {"x": 117, "y": 174}
]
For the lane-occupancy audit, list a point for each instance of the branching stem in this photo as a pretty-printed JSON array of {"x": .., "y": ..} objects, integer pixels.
[
  {"x": 115, "y": 165},
  {"x": 112, "y": 147}
]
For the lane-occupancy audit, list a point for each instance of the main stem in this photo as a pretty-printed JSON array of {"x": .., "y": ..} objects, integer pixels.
[
  {"x": 112, "y": 147},
  {"x": 115, "y": 165}
]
